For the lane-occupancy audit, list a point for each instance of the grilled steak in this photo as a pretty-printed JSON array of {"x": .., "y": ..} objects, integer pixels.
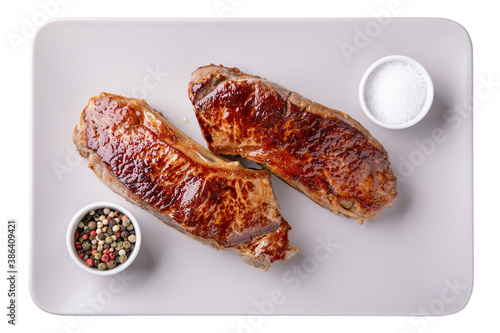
[
  {"x": 148, "y": 161},
  {"x": 322, "y": 152}
]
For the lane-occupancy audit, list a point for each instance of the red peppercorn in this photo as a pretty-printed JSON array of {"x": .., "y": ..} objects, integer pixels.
[
  {"x": 105, "y": 257},
  {"x": 104, "y": 229},
  {"x": 81, "y": 253},
  {"x": 77, "y": 234},
  {"x": 78, "y": 245},
  {"x": 90, "y": 262},
  {"x": 109, "y": 218},
  {"x": 85, "y": 237},
  {"x": 94, "y": 252},
  {"x": 106, "y": 251},
  {"x": 93, "y": 233},
  {"x": 112, "y": 255}
]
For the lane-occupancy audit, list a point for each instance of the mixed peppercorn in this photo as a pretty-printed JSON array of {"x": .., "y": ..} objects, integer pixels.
[{"x": 105, "y": 238}]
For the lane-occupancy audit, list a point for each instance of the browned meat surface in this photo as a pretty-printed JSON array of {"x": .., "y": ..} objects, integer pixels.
[
  {"x": 321, "y": 152},
  {"x": 144, "y": 158}
]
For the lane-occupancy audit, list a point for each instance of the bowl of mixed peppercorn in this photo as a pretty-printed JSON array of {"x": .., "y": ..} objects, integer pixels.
[{"x": 103, "y": 238}]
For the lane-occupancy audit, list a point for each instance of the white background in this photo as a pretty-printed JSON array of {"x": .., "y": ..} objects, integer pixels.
[{"x": 478, "y": 17}]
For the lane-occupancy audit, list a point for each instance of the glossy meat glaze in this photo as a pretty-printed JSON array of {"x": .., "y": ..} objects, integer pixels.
[
  {"x": 144, "y": 158},
  {"x": 322, "y": 152}
]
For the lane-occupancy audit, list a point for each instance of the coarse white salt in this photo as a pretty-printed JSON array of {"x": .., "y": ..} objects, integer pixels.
[{"x": 395, "y": 92}]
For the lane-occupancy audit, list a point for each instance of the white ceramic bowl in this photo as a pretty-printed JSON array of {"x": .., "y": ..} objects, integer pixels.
[
  {"x": 429, "y": 93},
  {"x": 73, "y": 225}
]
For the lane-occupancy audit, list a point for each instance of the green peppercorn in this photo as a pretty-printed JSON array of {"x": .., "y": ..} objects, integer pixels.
[
  {"x": 97, "y": 255},
  {"x": 126, "y": 244},
  {"x": 119, "y": 246},
  {"x": 102, "y": 266},
  {"x": 126, "y": 222},
  {"x": 122, "y": 259},
  {"x": 86, "y": 246},
  {"x": 130, "y": 227},
  {"x": 108, "y": 240},
  {"x": 132, "y": 238}
]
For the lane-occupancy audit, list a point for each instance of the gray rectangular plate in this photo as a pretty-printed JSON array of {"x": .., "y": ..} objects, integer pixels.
[{"x": 415, "y": 258}]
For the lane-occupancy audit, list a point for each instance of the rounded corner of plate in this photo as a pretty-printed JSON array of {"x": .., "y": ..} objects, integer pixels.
[
  {"x": 38, "y": 302},
  {"x": 46, "y": 26},
  {"x": 459, "y": 26},
  {"x": 463, "y": 301}
]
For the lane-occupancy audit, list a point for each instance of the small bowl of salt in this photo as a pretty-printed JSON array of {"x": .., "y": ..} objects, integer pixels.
[{"x": 396, "y": 92}]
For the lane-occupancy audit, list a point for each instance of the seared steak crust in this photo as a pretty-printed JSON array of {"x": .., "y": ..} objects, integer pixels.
[
  {"x": 322, "y": 152},
  {"x": 144, "y": 158}
]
